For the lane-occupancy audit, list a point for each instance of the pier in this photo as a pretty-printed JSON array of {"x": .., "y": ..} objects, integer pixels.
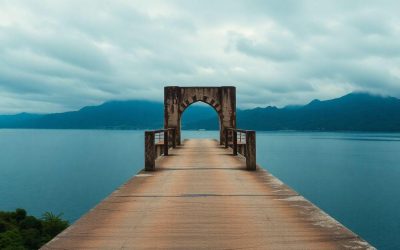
[{"x": 205, "y": 194}]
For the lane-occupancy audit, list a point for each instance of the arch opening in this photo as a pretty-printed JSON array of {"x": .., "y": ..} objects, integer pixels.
[
  {"x": 200, "y": 120},
  {"x": 177, "y": 99}
]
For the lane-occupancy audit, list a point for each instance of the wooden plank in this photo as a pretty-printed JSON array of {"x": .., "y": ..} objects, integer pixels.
[{"x": 201, "y": 197}]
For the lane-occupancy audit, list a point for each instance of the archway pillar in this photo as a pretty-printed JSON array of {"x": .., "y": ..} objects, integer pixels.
[{"x": 177, "y": 99}]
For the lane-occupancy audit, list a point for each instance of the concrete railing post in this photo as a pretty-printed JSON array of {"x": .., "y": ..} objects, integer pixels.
[
  {"x": 166, "y": 140},
  {"x": 226, "y": 138},
  {"x": 234, "y": 139},
  {"x": 149, "y": 151},
  {"x": 251, "y": 150}
]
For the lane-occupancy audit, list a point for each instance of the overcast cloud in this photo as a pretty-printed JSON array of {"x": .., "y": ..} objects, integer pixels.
[{"x": 62, "y": 55}]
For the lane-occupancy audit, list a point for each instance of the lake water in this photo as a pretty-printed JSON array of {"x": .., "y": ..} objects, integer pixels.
[{"x": 354, "y": 177}]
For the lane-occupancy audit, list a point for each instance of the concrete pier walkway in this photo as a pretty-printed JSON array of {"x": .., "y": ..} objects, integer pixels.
[{"x": 201, "y": 197}]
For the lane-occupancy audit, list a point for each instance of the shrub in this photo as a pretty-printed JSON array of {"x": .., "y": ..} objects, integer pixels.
[
  {"x": 21, "y": 231},
  {"x": 11, "y": 239},
  {"x": 53, "y": 224}
]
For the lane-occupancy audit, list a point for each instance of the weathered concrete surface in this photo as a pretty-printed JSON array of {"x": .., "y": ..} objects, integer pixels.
[
  {"x": 177, "y": 99},
  {"x": 200, "y": 197}
]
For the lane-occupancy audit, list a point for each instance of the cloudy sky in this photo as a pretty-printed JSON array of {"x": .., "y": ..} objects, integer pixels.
[{"x": 62, "y": 55}]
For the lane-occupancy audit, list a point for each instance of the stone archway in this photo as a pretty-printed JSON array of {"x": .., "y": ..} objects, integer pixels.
[{"x": 177, "y": 99}]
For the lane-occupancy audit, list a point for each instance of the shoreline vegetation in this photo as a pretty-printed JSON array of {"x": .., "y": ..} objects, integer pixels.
[{"x": 18, "y": 230}]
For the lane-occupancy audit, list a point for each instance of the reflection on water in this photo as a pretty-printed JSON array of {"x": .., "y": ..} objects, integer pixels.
[{"x": 352, "y": 176}]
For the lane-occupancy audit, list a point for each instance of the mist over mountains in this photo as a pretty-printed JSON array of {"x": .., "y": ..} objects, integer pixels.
[{"x": 352, "y": 112}]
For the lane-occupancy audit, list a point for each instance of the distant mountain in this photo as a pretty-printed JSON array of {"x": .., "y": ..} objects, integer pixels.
[
  {"x": 352, "y": 112},
  {"x": 10, "y": 121},
  {"x": 195, "y": 116},
  {"x": 109, "y": 115}
]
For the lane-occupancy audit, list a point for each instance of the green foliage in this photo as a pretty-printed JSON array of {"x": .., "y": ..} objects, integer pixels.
[
  {"x": 11, "y": 239},
  {"x": 21, "y": 231},
  {"x": 53, "y": 224},
  {"x": 20, "y": 214},
  {"x": 3, "y": 226}
]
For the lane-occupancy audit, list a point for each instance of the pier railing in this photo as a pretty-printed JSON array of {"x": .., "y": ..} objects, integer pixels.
[
  {"x": 242, "y": 142},
  {"x": 157, "y": 143}
]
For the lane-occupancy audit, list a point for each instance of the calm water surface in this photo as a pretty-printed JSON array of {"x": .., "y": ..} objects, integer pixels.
[{"x": 355, "y": 177}]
